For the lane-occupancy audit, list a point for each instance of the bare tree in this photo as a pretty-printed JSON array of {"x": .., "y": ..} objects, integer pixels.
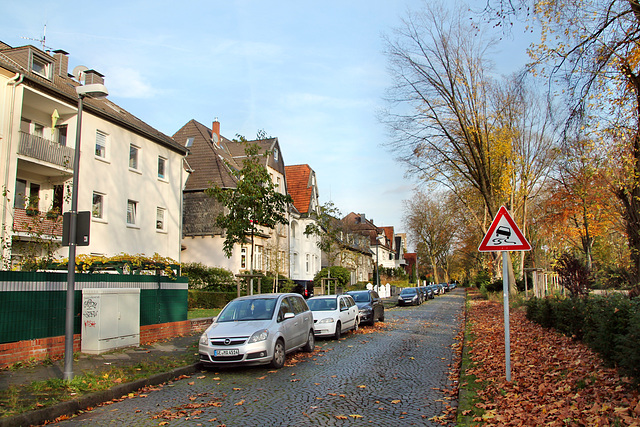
[{"x": 430, "y": 226}]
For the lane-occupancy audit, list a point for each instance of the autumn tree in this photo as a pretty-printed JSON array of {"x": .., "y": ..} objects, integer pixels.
[
  {"x": 255, "y": 202},
  {"x": 589, "y": 52},
  {"x": 431, "y": 227}
]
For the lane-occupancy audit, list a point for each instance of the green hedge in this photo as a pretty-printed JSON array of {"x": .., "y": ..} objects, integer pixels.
[
  {"x": 206, "y": 299},
  {"x": 610, "y": 325}
]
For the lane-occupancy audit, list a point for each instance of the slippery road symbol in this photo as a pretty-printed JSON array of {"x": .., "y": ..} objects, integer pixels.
[{"x": 502, "y": 236}]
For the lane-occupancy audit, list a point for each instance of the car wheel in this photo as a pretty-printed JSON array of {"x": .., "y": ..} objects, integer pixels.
[
  {"x": 278, "y": 355},
  {"x": 356, "y": 325},
  {"x": 311, "y": 343},
  {"x": 381, "y": 318},
  {"x": 338, "y": 332}
]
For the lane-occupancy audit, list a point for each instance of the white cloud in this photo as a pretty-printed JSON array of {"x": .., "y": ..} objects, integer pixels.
[{"x": 128, "y": 83}]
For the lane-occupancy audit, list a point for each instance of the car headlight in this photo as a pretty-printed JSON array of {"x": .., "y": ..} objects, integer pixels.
[
  {"x": 259, "y": 336},
  {"x": 327, "y": 320},
  {"x": 204, "y": 339}
]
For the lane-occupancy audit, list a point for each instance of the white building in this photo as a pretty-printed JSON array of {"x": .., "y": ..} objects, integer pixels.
[
  {"x": 130, "y": 175},
  {"x": 304, "y": 252}
]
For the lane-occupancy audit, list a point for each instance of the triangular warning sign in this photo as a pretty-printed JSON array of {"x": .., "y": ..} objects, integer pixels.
[{"x": 504, "y": 235}]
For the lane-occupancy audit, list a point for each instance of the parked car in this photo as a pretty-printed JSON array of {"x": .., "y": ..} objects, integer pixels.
[
  {"x": 304, "y": 288},
  {"x": 333, "y": 315},
  {"x": 452, "y": 285},
  {"x": 370, "y": 305},
  {"x": 409, "y": 296},
  {"x": 434, "y": 290},
  {"x": 258, "y": 329},
  {"x": 445, "y": 286}
]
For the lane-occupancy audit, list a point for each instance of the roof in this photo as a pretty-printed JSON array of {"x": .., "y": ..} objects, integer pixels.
[
  {"x": 300, "y": 186},
  {"x": 210, "y": 163},
  {"x": 62, "y": 86}
]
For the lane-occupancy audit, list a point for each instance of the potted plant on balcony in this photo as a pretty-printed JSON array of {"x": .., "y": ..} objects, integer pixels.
[
  {"x": 53, "y": 213},
  {"x": 32, "y": 206}
]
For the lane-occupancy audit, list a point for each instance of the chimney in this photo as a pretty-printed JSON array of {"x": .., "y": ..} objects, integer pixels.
[
  {"x": 215, "y": 132},
  {"x": 93, "y": 77},
  {"x": 61, "y": 61}
]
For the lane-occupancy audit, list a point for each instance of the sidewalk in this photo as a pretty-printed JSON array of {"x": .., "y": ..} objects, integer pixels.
[{"x": 175, "y": 348}]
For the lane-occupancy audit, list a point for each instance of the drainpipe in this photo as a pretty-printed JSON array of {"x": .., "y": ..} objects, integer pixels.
[{"x": 14, "y": 82}]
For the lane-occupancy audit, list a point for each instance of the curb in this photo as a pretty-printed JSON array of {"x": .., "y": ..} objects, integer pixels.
[{"x": 74, "y": 406}]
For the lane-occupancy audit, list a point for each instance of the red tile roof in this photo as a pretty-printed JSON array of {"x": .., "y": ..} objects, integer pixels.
[{"x": 299, "y": 186}]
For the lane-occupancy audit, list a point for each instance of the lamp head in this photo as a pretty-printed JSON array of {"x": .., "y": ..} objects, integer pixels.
[{"x": 95, "y": 90}]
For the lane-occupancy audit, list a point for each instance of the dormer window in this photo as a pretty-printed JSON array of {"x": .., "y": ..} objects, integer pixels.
[{"x": 41, "y": 66}]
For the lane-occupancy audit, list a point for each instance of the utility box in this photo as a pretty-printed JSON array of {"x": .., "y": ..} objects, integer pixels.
[{"x": 110, "y": 319}]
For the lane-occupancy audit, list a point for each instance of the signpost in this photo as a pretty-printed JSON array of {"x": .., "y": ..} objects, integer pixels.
[{"x": 504, "y": 235}]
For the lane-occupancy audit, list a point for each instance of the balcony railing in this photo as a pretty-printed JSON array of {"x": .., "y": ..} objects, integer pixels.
[{"x": 46, "y": 150}]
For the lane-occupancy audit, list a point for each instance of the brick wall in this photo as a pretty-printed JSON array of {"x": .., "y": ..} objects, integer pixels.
[{"x": 53, "y": 348}]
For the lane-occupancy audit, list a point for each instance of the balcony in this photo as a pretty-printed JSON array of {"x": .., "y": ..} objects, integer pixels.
[
  {"x": 37, "y": 224},
  {"x": 45, "y": 150}
]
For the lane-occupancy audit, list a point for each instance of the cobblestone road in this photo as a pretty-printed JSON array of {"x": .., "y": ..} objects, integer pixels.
[{"x": 389, "y": 378}]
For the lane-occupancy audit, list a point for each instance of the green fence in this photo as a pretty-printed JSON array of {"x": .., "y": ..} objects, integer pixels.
[{"x": 33, "y": 304}]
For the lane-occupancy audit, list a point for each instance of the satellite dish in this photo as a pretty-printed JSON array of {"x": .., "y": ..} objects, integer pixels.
[{"x": 78, "y": 72}]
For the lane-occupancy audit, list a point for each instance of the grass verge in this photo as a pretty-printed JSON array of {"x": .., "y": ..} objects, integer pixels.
[
  {"x": 469, "y": 386},
  {"x": 198, "y": 313},
  {"x": 16, "y": 400}
]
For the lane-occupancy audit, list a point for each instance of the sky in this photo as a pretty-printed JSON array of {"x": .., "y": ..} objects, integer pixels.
[{"x": 312, "y": 74}]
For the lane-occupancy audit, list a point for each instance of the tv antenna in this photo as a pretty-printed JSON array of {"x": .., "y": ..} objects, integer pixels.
[{"x": 42, "y": 41}]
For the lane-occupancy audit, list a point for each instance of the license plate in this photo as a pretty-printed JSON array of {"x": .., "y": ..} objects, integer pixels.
[{"x": 226, "y": 352}]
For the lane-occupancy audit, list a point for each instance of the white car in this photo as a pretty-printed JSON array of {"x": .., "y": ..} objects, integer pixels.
[
  {"x": 258, "y": 329},
  {"x": 333, "y": 315}
]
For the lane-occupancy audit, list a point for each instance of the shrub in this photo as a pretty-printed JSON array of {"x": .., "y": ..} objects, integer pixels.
[
  {"x": 207, "y": 299},
  {"x": 610, "y": 325},
  {"x": 574, "y": 275},
  {"x": 209, "y": 278},
  {"x": 341, "y": 274}
]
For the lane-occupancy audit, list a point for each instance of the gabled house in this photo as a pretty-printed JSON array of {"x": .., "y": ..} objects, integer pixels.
[
  {"x": 130, "y": 175},
  {"x": 380, "y": 239},
  {"x": 304, "y": 252},
  {"x": 210, "y": 159}
]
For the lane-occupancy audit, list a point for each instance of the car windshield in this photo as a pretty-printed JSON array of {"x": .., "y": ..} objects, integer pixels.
[
  {"x": 248, "y": 309},
  {"x": 408, "y": 291},
  {"x": 322, "y": 304},
  {"x": 360, "y": 296}
]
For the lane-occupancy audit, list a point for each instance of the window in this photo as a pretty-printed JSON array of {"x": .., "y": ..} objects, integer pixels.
[
  {"x": 61, "y": 132},
  {"x": 258, "y": 258},
  {"x": 189, "y": 142},
  {"x": 58, "y": 198},
  {"x": 243, "y": 258},
  {"x": 132, "y": 212},
  {"x": 307, "y": 262},
  {"x": 38, "y": 130},
  {"x": 160, "y": 214},
  {"x": 275, "y": 154},
  {"x": 97, "y": 208},
  {"x": 34, "y": 196},
  {"x": 162, "y": 167},
  {"x": 20, "y": 198},
  {"x": 40, "y": 67},
  {"x": 133, "y": 157},
  {"x": 101, "y": 144}
]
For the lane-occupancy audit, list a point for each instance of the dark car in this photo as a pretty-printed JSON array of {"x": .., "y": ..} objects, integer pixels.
[
  {"x": 304, "y": 288},
  {"x": 370, "y": 305},
  {"x": 409, "y": 296},
  {"x": 433, "y": 291}
]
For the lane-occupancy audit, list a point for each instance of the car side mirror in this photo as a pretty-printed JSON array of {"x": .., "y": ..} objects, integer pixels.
[{"x": 289, "y": 315}]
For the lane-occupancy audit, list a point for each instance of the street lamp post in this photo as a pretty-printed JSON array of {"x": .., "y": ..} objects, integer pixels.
[
  {"x": 378, "y": 238},
  {"x": 92, "y": 91}
]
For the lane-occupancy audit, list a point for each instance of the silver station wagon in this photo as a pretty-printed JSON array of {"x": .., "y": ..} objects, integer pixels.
[{"x": 258, "y": 329}]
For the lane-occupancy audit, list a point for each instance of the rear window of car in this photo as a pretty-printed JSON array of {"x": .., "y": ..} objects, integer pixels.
[
  {"x": 322, "y": 304},
  {"x": 360, "y": 296}
]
